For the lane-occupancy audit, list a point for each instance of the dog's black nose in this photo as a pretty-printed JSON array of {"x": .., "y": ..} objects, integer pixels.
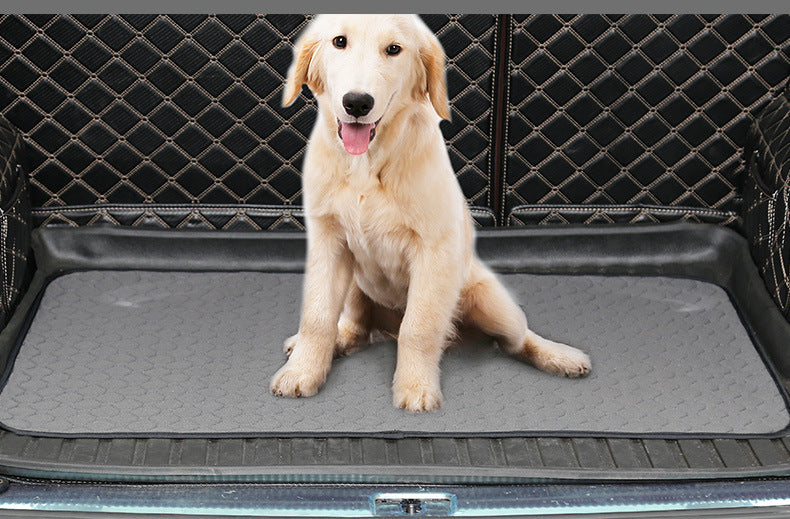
[{"x": 357, "y": 104}]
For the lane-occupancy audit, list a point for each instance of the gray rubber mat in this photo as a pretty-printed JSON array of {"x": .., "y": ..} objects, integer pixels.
[{"x": 145, "y": 353}]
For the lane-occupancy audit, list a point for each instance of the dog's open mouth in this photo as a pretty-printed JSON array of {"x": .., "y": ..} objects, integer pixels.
[{"x": 356, "y": 137}]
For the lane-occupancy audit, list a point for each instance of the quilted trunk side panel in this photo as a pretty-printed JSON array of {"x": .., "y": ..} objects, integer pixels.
[
  {"x": 176, "y": 120},
  {"x": 633, "y": 118}
]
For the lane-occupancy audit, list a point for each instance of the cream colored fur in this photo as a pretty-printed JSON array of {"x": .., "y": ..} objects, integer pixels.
[{"x": 390, "y": 237}]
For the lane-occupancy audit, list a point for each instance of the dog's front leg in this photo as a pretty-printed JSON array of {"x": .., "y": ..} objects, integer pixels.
[
  {"x": 327, "y": 278},
  {"x": 434, "y": 289}
]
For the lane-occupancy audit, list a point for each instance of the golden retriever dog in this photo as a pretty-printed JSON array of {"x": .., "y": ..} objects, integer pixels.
[{"x": 388, "y": 227}]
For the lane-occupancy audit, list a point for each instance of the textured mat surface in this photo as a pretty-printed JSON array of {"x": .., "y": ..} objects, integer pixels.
[{"x": 183, "y": 353}]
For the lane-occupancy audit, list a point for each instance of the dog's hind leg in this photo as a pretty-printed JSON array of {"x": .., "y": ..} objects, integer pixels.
[
  {"x": 356, "y": 322},
  {"x": 353, "y": 328},
  {"x": 486, "y": 304}
]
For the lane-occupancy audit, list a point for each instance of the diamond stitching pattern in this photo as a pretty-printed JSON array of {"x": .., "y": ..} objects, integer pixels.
[
  {"x": 469, "y": 42},
  {"x": 128, "y": 100},
  {"x": 644, "y": 111},
  {"x": 147, "y": 109},
  {"x": 666, "y": 101},
  {"x": 767, "y": 198},
  {"x": 14, "y": 221}
]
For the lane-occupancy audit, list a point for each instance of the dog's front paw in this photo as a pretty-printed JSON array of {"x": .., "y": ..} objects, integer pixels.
[
  {"x": 563, "y": 360},
  {"x": 295, "y": 382},
  {"x": 417, "y": 397}
]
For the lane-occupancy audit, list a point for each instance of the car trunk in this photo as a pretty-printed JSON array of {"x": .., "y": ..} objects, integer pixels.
[
  {"x": 604, "y": 162},
  {"x": 148, "y": 353}
]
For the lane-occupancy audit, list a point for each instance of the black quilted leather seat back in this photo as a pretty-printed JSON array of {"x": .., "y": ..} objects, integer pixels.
[
  {"x": 175, "y": 121},
  {"x": 635, "y": 118},
  {"x": 178, "y": 115}
]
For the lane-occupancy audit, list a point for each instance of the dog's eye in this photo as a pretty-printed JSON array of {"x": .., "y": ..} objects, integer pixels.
[
  {"x": 339, "y": 42},
  {"x": 393, "y": 50}
]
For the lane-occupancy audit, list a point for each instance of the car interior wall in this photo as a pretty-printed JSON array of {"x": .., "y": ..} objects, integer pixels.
[{"x": 175, "y": 121}]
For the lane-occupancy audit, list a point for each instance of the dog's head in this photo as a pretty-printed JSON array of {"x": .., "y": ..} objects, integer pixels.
[{"x": 365, "y": 69}]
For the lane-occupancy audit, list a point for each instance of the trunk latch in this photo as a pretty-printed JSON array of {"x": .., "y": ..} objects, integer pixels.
[{"x": 413, "y": 504}]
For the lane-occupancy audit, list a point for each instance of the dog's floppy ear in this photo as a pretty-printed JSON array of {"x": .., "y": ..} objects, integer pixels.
[
  {"x": 302, "y": 69},
  {"x": 433, "y": 60}
]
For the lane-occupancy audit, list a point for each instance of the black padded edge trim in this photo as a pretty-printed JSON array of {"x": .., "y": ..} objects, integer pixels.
[
  {"x": 617, "y": 214},
  {"x": 194, "y": 216},
  {"x": 125, "y": 249}
]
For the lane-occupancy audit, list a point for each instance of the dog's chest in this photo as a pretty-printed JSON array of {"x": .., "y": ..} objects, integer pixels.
[{"x": 379, "y": 241}]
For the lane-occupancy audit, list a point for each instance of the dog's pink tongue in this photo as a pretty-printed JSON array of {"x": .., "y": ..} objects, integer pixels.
[{"x": 356, "y": 137}]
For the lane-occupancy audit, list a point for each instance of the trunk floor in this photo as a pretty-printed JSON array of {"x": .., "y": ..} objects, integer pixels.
[{"x": 142, "y": 353}]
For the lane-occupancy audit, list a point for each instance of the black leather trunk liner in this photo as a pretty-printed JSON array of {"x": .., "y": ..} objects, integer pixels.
[{"x": 184, "y": 344}]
